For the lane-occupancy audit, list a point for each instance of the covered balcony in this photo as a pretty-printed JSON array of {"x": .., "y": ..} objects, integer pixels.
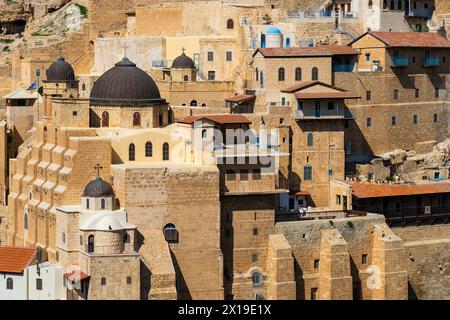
[{"x": 430, "y": 62}]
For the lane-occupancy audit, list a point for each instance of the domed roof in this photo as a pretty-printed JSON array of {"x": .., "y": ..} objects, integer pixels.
[
  {"x": 60, "y": 71},
  {"x": 125, "y": 85},
  {"x": 183, "y": 62},
  {"x": 273, "y": 30},
  {"x": 98, "y": 188},
  {"x": 103, "y": 222}
]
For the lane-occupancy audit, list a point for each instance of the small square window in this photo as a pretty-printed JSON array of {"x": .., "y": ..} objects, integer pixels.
[
  {"x": 316, "y": 264},
  {"x": 128, "y": 280},
  {"x": 364, "y": 259},
  {"x": 211, "y": 75},
  {"x": 210, "y": 56},
  {"x": 254, "y": 257},
  {"x": 243, "y": 174},
  {"x": 330, "y": 172},
  {"x": 74, "y": 113}
]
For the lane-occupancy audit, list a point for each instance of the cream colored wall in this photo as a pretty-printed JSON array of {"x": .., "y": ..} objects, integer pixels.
[
  {"x": 175, "y": 44},
  {"x": 376, "y": 48}
]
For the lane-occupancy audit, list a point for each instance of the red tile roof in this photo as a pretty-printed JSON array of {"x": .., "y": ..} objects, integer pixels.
[
  {"x": 15, "y": 259},
  {"x": 306, "y": 52},
  {"x": 374, "y": 190},
  {"x": 410, "y": 39},
  {"x": 241, "y": 98},
  {"x": 217, "y": 118},
  {"x": 76, "y": 276}
]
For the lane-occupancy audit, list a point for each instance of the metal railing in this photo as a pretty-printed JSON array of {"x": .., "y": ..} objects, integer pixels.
[
  {"x": 423, "y": 13},
  {"x": 322, "y": 114},
  {"x": 265, "y": 183},
  {"x": 343, "y": 67}
]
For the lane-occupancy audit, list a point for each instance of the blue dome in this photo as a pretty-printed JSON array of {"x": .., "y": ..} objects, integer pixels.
[{"x": 273, "y": 30}]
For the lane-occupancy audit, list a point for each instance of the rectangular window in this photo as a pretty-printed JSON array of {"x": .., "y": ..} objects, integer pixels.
[
  {"x": 74, "y": 113},
  {"x": 368, "y": 122},
  {"x": 243, "y": 174},
  {"x": 338, "y": 199},
  {"x": 436, "y": 92},
  {"x": 417, "y": 93},
  {"x": 435, "y": 118},
  {"x": 300, "y": 105},
  {"x": 254, "y": 257},
  {"x": 211, "y": 75},
  {"x": 413, "y": 59},
  {"x": 367, "y": 57},
  {"x": 364, "y": 259},
  {"x": 38, "y": 284},
  {"x": 396, "y": 95},
  {"x": 307, "y": 173},
  {"x": 229, "y": 56},
  {"x": 393, "y": 121},
  {"x": 230, "y": 175},
  {"x": 316, "y": 264},
  {"x": 314, "y": 293},
  {"x": 415, "y": 119},
  {"x": 330, "y": 172},
  {"x": 255, "y": 231},
  {"x": 368, "y": 95},
  {"x": 210, "y": 56}
]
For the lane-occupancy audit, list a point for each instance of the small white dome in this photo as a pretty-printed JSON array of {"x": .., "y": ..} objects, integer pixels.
[{"x": 103, "y": 222}]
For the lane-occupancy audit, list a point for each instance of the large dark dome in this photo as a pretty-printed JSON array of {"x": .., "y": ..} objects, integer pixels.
[
  {"x": 183, "y": 62},
  {"x": 98, "y": 188},
  {"x": 125, "y": 85},
  {"x": 60, "y": 71}
]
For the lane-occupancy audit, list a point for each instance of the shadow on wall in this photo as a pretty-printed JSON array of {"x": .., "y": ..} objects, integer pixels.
[
  {"x": 299, "y": 281},
  {"x": 182, "y": 288}
]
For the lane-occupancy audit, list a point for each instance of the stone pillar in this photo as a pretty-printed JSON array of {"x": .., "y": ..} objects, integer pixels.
[
  {"x": 280, "y": 269},
  {"x": 389, "y": 278},
  {"x": 335, "y": 281}
]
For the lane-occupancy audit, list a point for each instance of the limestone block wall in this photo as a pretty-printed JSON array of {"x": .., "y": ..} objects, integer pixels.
[
  {"x": 427, "y": 254},
  {"x": 186, "y": 197},
  {"x": 321, "y": 249}
]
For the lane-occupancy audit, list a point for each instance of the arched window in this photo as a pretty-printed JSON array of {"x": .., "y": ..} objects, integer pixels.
[
  {"x": 105, "y": 119},
  {"x": 203, "y": 105},
  {"x": 91, "y": 243},
  {"x": 288, "y": 42},
  {"x": 103, "y": 281},
  {"x": 87, "y": 203},
  {"x": 136, "y": 119},
  {"x": 25, "y": 221},
  {"x": 230, "y": 24},
  {"x": 370, "y": 4},
  {"x": 83, "y": 87},
  {"x": 186, "y": 78},
  {"x": 103, "y": 204},
  {"x": 257, "y": 74},
  {"x": 204, "y": 134},
  {"x": 281, "y": 74},
  {"x": 128, "y": 280},
  {"x": 261, "y": 79},
  {"x": 310, "y": 140},
  {"x": 399, "y": 6},
  {"x": 392, "y": 6},
  {"x": 257, "y": 279},
  {"x": 149, "y": 149},
  {"x": 166, "y": 151},
  {"x": 9, "y": 284},
  {"x": 263, "y": 41},
  {"x": 193, "y": 103},
  {"x": 314, "y": 74},
  {"x": 385, "y": 6},
  {"x": 170, "y": 233},
  {"x": 298, "y": 74},
  {"x": 131, "y": 152}
]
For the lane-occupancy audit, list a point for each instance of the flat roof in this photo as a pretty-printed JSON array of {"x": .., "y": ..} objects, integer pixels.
[{"x": 217, "y": 118}]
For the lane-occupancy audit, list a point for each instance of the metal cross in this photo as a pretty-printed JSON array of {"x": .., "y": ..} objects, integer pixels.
[
  {"x": 183, "y": 49},
  {"x": 98, "y": 167}
]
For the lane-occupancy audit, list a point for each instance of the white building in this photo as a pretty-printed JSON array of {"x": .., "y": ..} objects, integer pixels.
[{"x": 23, "y": 278}]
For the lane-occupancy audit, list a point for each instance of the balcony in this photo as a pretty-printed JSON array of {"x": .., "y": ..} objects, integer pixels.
[
  {"x": 253, "y": 183},
  {"x": 400, "y": 62},
  {"x": 431, "y": 62},
  {"x": 421, "y": 13},
  {"x": 343, "y": 68},
  {"x": 322, "y": 114}
]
